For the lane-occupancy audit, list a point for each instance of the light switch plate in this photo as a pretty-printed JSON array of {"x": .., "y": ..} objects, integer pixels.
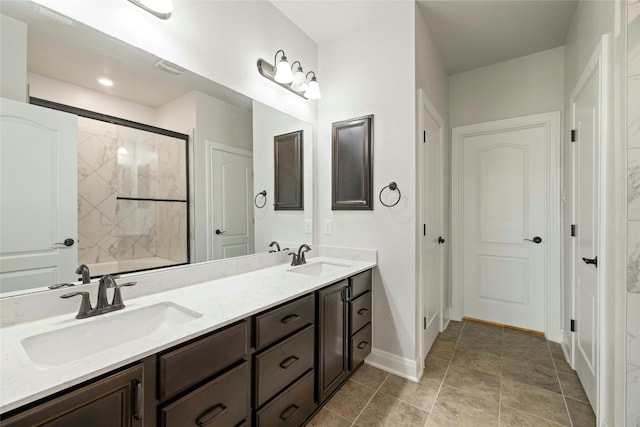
[
  {"x": 308, "y": 226},
  {"x": 327, "y": 226}
]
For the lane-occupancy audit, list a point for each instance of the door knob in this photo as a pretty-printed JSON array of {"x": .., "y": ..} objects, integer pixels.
[
  {"x": 67, "y": 242},
  {"x": 441, "y": 240},
  {"x": 535, "y": 240},
  {"x": 593, "y": 261},
  {"x": 218, "y": 231}
]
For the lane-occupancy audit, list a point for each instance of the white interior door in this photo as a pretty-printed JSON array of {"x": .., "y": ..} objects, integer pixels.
[
  {"x": 431, "y": 243},
  {"x": 504, "y": 204},
  {"x": 231, "y": 196},
  {"x": 586, "y": 113},
  {"x": 38, "y": 182}
]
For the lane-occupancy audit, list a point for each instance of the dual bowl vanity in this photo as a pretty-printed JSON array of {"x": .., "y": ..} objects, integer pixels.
[{"x": 266, "y": 347}]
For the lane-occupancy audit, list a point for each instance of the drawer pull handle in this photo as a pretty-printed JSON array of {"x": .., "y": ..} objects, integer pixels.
[
  {"x": 288, "y": 362},
  {"x": 208, "y": 416},
  {"x": 362, "y": 311},
  {"x": 290, "y": 318},
  {"x": 362, "y": 345},
  {"x": 288, "y": 413}
]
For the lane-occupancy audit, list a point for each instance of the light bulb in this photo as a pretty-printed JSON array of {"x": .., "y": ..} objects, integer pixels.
[
  {"x": 313, "y": 91},
  {"x": 283, "y": 71},
  {"x": 299, "y": 81}
]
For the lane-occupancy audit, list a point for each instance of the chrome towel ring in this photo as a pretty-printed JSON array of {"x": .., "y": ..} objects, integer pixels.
[
  {"x": 263, "y": 193},
  {"x": 393, "y": 187}
]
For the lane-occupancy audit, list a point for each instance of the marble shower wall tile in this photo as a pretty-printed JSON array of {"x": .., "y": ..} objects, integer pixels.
[
  {"x": 172, "y": 182},
  {"x": 633, "y": 258},
  {"x": 171, "y": 231},
  {"x": 633, "y": 184},
  {"x": 633, "y": 328},
  {"x": 633, "y": 38},
  {"x": 633, "y": 391},
  {"x": 633, "y": 112}
]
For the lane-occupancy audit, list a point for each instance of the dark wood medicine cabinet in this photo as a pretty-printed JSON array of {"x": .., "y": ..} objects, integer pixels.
[
  {"x": 288, "y": 172},
  {"x": 351, "y": 164}
]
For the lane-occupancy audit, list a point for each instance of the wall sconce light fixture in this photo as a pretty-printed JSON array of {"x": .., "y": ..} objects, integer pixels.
[
  {"x": 290, "y": 77},
  {"x": 160, "y": 8}
]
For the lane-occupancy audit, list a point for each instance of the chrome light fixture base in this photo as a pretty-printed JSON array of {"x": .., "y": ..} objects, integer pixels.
[
  {"x": 162, "y": 12},
  {"x": 267, "y": 71}
]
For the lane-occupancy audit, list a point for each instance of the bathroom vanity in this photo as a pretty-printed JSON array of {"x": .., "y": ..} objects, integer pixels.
[{"x": 273, "y": 364}]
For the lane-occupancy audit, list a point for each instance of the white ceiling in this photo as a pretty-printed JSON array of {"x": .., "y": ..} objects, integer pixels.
[{"x": 469, "y": 34}]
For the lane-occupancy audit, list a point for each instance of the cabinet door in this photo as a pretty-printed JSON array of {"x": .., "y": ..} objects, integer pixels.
[
  {"x": 333, "y": 366},
  {"x": 110, "y": 402}
]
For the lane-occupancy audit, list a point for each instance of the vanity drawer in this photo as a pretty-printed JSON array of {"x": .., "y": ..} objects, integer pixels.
[
  {"x": 360, "y": 346},
  {"x": 279, "y": 322},
  {"x": 221, "y": 402},
  {"x": 186, "y": 366},
  {"x": 282, "y": 364},
  {"x": 360, "y": 312},
  {"x": 292, "y": 407},
  {"x": 360, "y": 283}
]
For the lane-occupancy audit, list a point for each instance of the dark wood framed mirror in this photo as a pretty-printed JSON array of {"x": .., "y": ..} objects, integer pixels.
[
  {"x": 288, "y": 182},
  {"x": 351, "y": 164}
]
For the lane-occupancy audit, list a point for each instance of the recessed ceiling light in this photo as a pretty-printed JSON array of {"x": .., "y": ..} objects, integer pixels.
[{"x": 105, "y": 82}]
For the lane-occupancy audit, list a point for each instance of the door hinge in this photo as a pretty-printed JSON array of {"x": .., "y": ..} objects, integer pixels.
[
  {"x": 573, "y": 230},
  {"x": 424, "y": 323},
  {"x": 573, "y": 325},
  {"x": 424, "y": 229},
  {"x": 573, "y": 135},
  {"x": 424, "y": 136}
]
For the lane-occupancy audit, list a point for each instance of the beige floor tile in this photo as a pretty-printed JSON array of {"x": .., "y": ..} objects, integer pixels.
[
  {"x": 385, "y": 411},
  {"x": 350, "y": 400},
  {"x": 556, "y": 349},
  {"x": 531, "y": 354},
  {"x": 474, "y": 381},
  {"x": 477, "y": 328},
  {"x": 435, "y": 368},
  {"x": 535, "y": 401},
  {"x": 571, "y": 387},
  {"x": 528, "y": 373},
  {"x": 422, "y": 394},
  {"x": 484, "y": 344},
  {"x": 512, "y": 336},
  {"x": 456, "y": 407},
  {"x": 477, "y": 359},
  {"x": 369, "y": 376},
  {"x": 510, "y": 417},
  {"x": 442, "y": 349},
  {"x": 326, "y": 418},
  {"x": 581, "y": 413},
  {"x": 452, "y": 333},
  {"x": 561, "y": 364}
]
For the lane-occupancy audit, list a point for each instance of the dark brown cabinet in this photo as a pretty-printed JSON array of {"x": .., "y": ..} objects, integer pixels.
[
  {"x": 272, "y": 370},
  {"x": 114, "y": 401},
  {"x": 333, "y": 338}
]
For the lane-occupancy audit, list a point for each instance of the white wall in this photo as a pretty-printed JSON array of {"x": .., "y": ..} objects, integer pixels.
[
  {"x": 431, "y": 77},
  {"x": 591, "y": 20},
  {"x": 528, "y": 85},
  {"x": 282, "y": 226},
  {"x": 69, "y": 94},
  {"x": 220, "y": 40},
  {"x": 13, "y": 59},
  {"x": 370, "y": 70}
]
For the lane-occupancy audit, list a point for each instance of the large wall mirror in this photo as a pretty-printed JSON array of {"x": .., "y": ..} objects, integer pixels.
[{"x": 230, "y": 151}]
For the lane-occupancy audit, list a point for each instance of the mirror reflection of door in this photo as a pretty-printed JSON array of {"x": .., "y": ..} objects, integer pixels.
[
  {"x": 288, "y": 179},
  {"x": 230, "y": 227}
]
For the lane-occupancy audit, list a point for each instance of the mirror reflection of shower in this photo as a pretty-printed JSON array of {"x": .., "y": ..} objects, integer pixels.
[{"x": 132, "y": 197}]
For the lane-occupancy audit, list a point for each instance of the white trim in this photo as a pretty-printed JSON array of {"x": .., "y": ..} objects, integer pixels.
[
  {"x": 210, "y": 147},
  {"x": 423, "y": 100},
  {"x": 397, "y": 365},
  {"x": 551, "y": 122}
]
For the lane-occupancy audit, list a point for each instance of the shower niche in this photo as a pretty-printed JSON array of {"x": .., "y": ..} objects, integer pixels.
[{"x": 132, "y": 196}]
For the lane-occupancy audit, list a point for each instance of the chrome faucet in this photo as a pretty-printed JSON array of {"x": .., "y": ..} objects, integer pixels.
[
  {"x": 298, "y": 258},
  {"x": 102, "y": 305},
  {"x": 277, "y": 246},
  {"x": 84, "y": 270}
]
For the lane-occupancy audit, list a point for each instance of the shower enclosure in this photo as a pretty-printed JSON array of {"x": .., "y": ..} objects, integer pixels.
[{"x": 132, "y": 196}]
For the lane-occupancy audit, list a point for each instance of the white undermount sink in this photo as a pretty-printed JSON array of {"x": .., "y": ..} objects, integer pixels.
[
  {"x": 97, "y": 334},
  {"x": 319, "y": 268}
]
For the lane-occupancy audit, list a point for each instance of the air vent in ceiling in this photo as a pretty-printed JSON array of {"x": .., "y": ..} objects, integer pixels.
[{"x": 169, "y": 67}]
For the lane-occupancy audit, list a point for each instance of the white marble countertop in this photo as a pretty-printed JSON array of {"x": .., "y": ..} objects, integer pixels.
[{"x": 221, "y": 302}]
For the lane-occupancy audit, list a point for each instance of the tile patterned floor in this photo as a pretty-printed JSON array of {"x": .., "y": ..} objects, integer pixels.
[{"x": 475, "y": 375}]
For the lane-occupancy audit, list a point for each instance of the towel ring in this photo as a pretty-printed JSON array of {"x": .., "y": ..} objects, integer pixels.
[
  {"x": 393, "y": 187},
  {"x": 263, "y": 193}
]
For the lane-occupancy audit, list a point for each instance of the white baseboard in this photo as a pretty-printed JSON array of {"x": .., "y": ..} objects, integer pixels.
[{"x": 397, "y": 365}]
